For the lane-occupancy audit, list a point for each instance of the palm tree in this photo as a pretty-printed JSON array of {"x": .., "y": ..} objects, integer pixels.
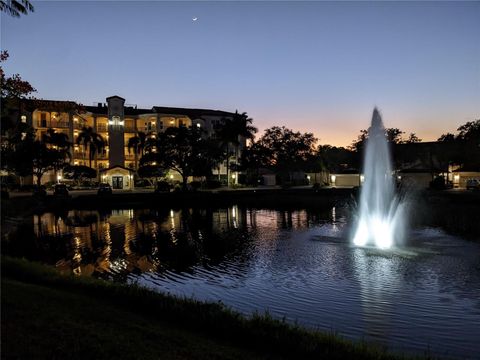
[
  {"x": 15, "y": 8},
  {"x": 137, "y": 144},
  {"x": 59, "y": 142},
  {"x": 231, "y": 134},
  {"x": 95, "y": 143}
]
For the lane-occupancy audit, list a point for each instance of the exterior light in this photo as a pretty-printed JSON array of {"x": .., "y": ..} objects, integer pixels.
[
  {"x": 59, "y": 177},
  {"x": 456, "y": 178},
  {"x": 172, "y": 121},
  {"x": 308, "y": 177},
  {"x": 75, "y": 163},
  {"x": 153, "y": 123},
  {"x": 333, "y": 178},
  {"x": 399, "y": 177},
  {"x": 171, "y": 176},
  {"x": 233, "y": 176},
  {"x": 362, "y": 178},
  {"x": 154, "y": 163},
  {"x": 24, "y": 119},
  {"x": 75, "y": 119},
  {"x": 198, "y": 125}
]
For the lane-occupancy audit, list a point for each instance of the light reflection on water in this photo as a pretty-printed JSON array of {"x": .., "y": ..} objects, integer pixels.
[{"x": 296, "y": 264}]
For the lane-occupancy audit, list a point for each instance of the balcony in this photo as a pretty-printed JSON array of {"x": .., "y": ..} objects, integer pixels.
[
  {"x": 129, "y": 156},
  {"x": 52, "y": 124},
  {"x": 102, "y": 127},
  {"x": 103, "y": 156}
]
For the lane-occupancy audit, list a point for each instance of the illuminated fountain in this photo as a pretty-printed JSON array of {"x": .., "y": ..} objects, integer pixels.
[{"x": 381, "y": 213}]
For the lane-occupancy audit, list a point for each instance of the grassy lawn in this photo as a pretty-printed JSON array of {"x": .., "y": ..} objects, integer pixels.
[
  {"x": 46, "y": 323},
  {"x": 46, "y": 315}
]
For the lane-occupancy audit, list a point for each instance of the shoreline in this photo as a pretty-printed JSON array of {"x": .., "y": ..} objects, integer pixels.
[
  {"x": 30, "y": 287},
  {"x": 457, "y": 212}
]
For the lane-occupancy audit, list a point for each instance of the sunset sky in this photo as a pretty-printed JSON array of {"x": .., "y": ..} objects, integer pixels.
[{"x": 311, "y": 66}]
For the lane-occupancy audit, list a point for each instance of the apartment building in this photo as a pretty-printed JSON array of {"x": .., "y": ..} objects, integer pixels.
[{"x": 116, "y": 123}]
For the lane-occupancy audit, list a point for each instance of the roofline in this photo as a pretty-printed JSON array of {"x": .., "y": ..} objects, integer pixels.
[
  {"x": 117, "y": 166},
  {"x": 115, "y": 96}
]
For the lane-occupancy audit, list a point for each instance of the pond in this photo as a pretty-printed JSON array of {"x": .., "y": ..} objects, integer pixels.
[{"x": 296, "y": 264}]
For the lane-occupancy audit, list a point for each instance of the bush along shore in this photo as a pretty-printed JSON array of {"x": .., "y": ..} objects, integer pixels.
[{"x": 49, "y": 315}]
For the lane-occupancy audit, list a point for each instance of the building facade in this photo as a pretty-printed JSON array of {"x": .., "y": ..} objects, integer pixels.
[{"x": 116, "y": 123}]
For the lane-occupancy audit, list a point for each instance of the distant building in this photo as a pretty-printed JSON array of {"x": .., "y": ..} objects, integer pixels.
[{"x": 116, "y": 122}]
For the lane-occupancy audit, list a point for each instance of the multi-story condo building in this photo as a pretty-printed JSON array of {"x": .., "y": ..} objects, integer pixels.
[{"x": 116, "y": 123}]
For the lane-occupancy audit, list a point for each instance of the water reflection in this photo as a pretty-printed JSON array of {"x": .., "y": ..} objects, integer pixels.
[
  {"x": 119, "y": 242},
  {"x": 297, "y": 264},
  {"x": 377, "y": 275}
]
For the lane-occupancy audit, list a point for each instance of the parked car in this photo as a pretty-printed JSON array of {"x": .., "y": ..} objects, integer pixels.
[
  {"x": 60, "y": 190},
  {"x": 473, "y": 184},
  {"x": 104, "y": 189}
]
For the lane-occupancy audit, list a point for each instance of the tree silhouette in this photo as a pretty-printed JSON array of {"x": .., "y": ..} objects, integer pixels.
[
  {"x": 287, "y": 151},
  {"x": 230, "y": 135},
  {"x": 92, "y": 141},
  {"x": 16, "y": 8},
  {"x": 59, "y": 142},
  {"x": 137, "y": 144},
  {"x": 181, "y": 149}
]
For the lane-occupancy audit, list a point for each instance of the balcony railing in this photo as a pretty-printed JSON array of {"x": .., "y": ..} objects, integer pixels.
[
  {"x": 129, "y": 156},
  {"x": 102, "y": 127},
  {"x": 52, "y": 124}
]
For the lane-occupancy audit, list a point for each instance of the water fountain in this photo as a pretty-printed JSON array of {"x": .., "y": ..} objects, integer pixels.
[{"x": 381, "y": 213}]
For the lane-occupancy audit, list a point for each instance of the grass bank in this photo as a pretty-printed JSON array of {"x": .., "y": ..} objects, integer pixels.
[{"x": 49, "y": 315}]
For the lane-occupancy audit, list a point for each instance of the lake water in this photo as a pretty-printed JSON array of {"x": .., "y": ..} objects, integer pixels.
[{"x": 295, "y": 264}]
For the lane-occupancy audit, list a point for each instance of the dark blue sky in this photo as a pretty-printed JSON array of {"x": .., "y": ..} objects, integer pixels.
[{"x": 312, "y": 66}]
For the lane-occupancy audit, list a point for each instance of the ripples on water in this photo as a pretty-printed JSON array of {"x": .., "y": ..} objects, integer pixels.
[{"x": 298, "y": 265}]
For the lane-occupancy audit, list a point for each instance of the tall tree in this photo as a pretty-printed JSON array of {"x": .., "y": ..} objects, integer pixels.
[
  {"x": 60, "y": 142},
  {"x": 335, "y": 158},
  {"x": 12, "y": 90},
  {"x": 16, "y": 150},
  {"x": 44, "y": 159},
  {"x": 287, "y": 151},
  {"x": 90, "y": 141},
  {"x": 254, "y": 157},
  {"x": 13, "y": 87},
  {"x": 16, "y": 8},
  {"x": 412, "y": 138},
  {"x": 137, "y": 144},
  {"x": 182, "y": 149},
  {"x": 232, "y": 132}
]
